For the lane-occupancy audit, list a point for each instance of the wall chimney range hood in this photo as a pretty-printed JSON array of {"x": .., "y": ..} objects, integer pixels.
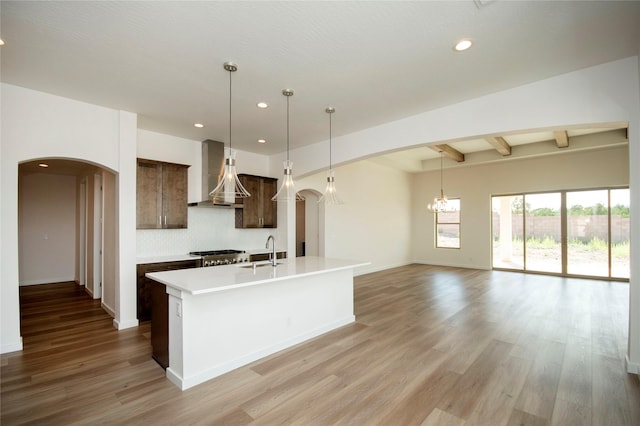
[{"x": 212, "y": 169}]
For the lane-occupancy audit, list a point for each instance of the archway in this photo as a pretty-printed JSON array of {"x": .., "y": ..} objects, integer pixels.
[
  {"x": 66, "y": 225},
  {"x": 309, "y": 224}
]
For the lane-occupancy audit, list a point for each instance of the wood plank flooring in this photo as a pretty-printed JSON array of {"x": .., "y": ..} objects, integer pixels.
[{"x": 431, "y": 345}]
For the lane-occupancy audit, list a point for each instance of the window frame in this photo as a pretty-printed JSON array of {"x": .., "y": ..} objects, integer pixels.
[{"x": 437, "y": 222}]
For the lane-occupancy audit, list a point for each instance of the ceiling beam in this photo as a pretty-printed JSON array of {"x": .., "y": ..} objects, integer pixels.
[
  {"x": 562, "y": 138},
  {"x": 501, "y": 145},
  {"x": 449, "y": 151}
]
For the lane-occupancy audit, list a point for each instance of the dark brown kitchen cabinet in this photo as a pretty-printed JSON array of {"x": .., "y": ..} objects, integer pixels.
[
  {"x": 267, "y": 256},
  {"x": 161, "y": 195},
  {"x": 153, "y": 304},
  {"x": 258, "y": 211}
]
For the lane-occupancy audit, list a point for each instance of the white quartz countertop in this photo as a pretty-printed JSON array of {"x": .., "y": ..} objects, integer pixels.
[{"x": 221, "y": 278}]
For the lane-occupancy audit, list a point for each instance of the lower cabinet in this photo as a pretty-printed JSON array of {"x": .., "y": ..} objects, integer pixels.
[
  {"x": 267, "y": 256},
  {"x": 153, "y": 304}
]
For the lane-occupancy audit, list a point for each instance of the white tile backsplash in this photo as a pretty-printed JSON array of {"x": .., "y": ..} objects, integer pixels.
[{"x": 209, "y": 229}]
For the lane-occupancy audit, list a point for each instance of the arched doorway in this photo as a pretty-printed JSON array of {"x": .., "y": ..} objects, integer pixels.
[
  {"x": 66, "y": 225},
  {"x": 309, "y": 224}
]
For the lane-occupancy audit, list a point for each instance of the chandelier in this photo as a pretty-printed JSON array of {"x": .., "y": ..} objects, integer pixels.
[{"x": 439, "y": 204}]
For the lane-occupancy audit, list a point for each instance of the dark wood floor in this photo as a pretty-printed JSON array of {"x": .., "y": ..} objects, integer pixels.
[{"x": 431, "y": 345}]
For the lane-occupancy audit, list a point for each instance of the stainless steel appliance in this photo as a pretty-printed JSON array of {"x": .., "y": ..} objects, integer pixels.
[{"x": 221, "y": 257}]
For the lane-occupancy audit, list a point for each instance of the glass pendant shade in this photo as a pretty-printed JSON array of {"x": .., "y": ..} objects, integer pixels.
[
  {"x": 330, "y": 195},
  {"x": 229, "y": 186},
  {"x": 287, "y": 191}
]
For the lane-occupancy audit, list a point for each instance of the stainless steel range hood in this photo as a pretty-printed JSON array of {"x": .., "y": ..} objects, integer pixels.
[{"x": 212, "y": 170}]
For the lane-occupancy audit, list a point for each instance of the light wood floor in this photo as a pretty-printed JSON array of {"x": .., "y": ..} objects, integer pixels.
[{"x": 431, "y": 345}]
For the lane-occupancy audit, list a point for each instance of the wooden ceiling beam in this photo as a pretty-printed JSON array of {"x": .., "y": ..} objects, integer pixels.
[
  {"x": 449, "y": 151},
  {"x": 501, "y": 145},
  {"x": 562, "y": 138}
]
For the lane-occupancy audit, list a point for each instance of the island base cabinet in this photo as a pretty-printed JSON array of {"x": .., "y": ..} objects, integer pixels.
[{"x": 214, "y": 333}]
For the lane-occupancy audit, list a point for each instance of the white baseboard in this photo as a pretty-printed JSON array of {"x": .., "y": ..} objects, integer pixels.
[
  {"x": 108, "y": 309},
  {"x": 201, "y": 377},
  {"x": 632, "y": 367},
  {"x": 453, "y": 265},
  {"x": 11, "y": 347},
  {"x": 118, "y": 325},
  {"x": 47, "y": 281},
  {"x": 369, "y": 270}
]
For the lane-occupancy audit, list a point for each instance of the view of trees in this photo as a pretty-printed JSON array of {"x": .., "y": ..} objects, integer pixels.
[{"x": 576, "y": 210}]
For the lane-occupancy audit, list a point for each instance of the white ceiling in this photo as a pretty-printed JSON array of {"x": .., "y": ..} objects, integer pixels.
[{"x": 374, "y": 62}]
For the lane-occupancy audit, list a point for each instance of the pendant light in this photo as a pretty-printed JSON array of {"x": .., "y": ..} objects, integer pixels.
[
  {"x": 439, "y": 204},
  {"x": 287, "y": 191},
  {"x": 229, "y": 187},
  {"x": 330, "y": 196}
]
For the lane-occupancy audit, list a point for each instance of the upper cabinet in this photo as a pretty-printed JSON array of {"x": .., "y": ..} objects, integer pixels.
[
  {"x": 258, "y": 211},
  {"x": 161, "y": 197}
]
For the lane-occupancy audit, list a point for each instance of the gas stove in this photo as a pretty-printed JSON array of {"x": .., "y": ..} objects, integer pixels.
[{"x": 221, "y": 257}]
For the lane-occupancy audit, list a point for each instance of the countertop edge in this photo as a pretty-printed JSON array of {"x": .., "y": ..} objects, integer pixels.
[{"x": 158, "y": 276}]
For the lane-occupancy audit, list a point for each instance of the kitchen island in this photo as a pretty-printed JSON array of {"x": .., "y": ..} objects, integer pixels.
[{"x": 224, "y": 317}]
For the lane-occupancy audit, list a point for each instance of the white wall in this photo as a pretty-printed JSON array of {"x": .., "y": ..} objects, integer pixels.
[
  {"x": 633, "y": 353},
  {"x": 38, "y": 125},
  {"x": 47, "y": 228},
  {"x": 109, "y": 247},
  {"x": 208, "y": 228},
  {"x": 475, "y": 185},
  {"x": 374, "y": 223}
]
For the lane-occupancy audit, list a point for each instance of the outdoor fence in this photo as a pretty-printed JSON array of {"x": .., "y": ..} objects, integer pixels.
[{"x": 583, "y": 228}]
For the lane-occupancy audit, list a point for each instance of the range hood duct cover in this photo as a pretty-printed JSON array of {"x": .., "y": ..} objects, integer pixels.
[{"x": 212, "y": 170}]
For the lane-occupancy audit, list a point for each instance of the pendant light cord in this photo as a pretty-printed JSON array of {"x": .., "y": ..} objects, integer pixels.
[
  {"x": 288, "y": 128},
  {"x": 230, "y": 72},
  {"x": 441, "y": 183},
  {"x": 329, "y": 141}
]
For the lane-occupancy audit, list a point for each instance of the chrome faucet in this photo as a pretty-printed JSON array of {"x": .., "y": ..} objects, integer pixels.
[{"x": 273, "y": 254}]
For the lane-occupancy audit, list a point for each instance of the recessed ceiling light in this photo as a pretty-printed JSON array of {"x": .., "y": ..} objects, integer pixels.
[
  {"x": 262, "y": 141},
  {"x": 198, "y": 125},
  {"x": 1, "y": 42},
  {"x": 45, "y": 165},
  {"x": 463, "y": 45},
  {"x": 262, "y": 105}
]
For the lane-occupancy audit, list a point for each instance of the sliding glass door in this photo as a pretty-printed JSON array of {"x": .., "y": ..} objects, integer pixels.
[
  {"x": 619, "y": 234},
  {"x": 588, "y": 233},
  {"x": 543, "y": 251},
  {"x": 580, "y": 233},
  {"x": 508, "y": 236}
]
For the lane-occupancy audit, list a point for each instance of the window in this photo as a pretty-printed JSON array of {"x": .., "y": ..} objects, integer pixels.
[
  {"x": 575, "y": 233},
  {"x": 448, "y": 226}
]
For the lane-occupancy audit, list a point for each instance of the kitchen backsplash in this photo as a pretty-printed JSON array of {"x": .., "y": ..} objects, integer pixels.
[{"x": 209, "y": 229}]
